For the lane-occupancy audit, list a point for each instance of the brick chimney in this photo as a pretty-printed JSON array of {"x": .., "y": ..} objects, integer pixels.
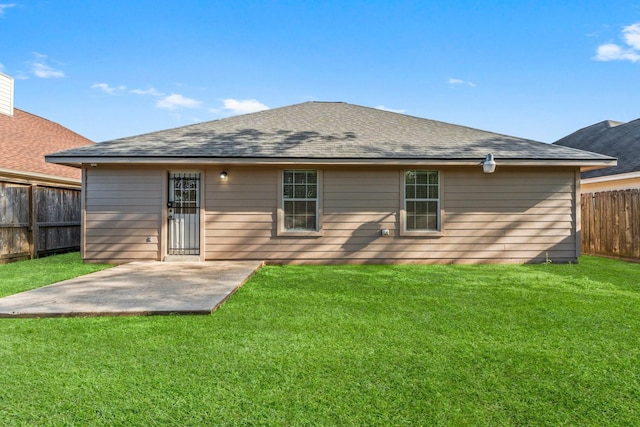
[{"x": 6, "y": 95}]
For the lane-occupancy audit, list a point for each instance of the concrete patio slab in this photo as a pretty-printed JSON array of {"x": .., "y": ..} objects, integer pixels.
[{"x": 137, "y": 288}]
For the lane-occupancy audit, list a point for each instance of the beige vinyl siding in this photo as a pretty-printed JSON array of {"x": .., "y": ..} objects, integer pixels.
[
  {"x": 240, "y": 213},
  {"x": 513, "y": 215},
  {"x": 122, "y": 209}
]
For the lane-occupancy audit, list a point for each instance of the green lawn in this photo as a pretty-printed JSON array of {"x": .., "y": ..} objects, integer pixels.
[
  {"x": 24, "y": 275},
  {"x": 348, "y": 345}
]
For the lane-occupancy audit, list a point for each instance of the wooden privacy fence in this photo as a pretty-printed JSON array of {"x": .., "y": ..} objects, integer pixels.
[
  {"x": 611, "y": 223},
  {"x": 37, "y": 220}
]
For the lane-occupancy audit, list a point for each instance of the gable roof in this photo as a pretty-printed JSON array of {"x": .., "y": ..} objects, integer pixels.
[
  {"x": 616, "y": 139},
  {"x": 26, "y": 138},
  {"x": 323, "y": 132}
]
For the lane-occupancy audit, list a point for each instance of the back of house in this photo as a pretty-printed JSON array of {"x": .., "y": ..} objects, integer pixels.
[{"x": 330, "y": 182}]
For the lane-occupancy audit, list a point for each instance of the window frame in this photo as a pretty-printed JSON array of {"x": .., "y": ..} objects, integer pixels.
[
  {"x": 281, "y": 231},
  {"x": 403, "y": 206}
]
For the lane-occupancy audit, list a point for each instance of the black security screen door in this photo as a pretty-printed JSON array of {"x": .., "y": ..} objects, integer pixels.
[{"x": 183, "y": 213}]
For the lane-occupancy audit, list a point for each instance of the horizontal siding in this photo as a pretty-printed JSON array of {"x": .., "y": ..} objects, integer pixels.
[
  {"x": 240, "y": 211},
  {"x": 123, "y": 208},
  {"x": 391, "y": 249},
  {"x": 134, "y": 230},
  {"x": 533, "y": 209},
  {"x": 560, "y": 234},
  {"x": 356, "y": 240},
  {"x": 140, "y": 184},
  {"x": 468, "y": 217},
  {"x": 415, "y": 253},
  {"x": 514, "y": 215},
  {"x": 516, "y": 195},
  {"x": 116, "y": 256}
]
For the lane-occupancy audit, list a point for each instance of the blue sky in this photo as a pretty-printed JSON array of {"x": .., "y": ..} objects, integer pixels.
[{"x": 533, "y": 69}]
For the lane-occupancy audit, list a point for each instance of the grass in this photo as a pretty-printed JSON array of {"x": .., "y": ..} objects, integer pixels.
[
  {"x": 348, "y": 345},
  {"x": 24, "y": 275}
]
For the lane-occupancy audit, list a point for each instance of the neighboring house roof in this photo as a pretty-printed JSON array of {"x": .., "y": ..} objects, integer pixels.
[
  {"x": 26, "y": 138},
  {"x": 616, "y": 139},
  {"x": 324, "y": 132}
]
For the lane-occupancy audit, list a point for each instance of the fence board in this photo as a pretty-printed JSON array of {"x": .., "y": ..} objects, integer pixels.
[{"x": 611, "y": 223}]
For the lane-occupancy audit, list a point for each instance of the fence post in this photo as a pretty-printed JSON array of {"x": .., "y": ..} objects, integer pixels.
[{"x": 33, "y": 221}]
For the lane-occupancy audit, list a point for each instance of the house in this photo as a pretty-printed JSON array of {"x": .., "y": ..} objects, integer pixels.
[
  {"x": 25, "y": 139},
  {"x": 39, "y": 201},
  {"x": 330, "y": 182},
  {"x": 615, "y": 139}
]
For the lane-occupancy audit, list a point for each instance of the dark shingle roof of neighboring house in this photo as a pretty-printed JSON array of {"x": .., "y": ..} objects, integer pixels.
[
  {"x": 615, "y": 139},
  {"x": 26, "y": 138},
  {"x": 323, "y": 131}
]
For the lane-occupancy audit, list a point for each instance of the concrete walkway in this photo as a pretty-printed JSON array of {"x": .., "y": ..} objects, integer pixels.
[{"x": 138, "y": 288}]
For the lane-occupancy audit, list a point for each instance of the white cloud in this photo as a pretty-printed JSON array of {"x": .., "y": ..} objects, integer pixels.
[
  {"x": 172, "y": 102},
  {"x": 40, "y": 68},
  {"x": 614, "y": 52},
  {"x": 108, "y": 89},
  {"x": 454, "y": 82},
  {"x": 176, "y": 101},
  {"x": 6, "y": 6},
  {"x": 383, "y": 108},
  {"x": 245, "y": 106},
  {"x": 151, "y": 91},
  {"x": 631, "y": 35}
]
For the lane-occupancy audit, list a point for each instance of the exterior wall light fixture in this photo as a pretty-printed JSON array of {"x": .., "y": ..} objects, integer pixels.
[
  {"x": 224, "y": 175},
  {"x": 489, "y": 165}
]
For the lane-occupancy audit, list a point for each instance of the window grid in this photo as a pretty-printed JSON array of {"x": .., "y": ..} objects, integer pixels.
[
  {"x": 422, "y": 200},
  {"x": 300, "y": 200}
]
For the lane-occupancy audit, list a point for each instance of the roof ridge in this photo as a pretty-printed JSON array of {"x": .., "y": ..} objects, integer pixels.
[{"x": 613, "y": 123}]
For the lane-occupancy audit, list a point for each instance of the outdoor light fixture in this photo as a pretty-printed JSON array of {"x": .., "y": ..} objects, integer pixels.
[
  {"x": 489, "y": 165},
  {"x": 223, "y": 175}
]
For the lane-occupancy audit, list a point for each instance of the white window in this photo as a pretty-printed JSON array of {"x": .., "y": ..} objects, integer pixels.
[
  {"x": 300, "y": 201},
  {"x": 422, "y": 200}
]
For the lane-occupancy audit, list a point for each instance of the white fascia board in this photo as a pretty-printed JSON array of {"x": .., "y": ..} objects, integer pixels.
[{"x": 607, "y": 178}]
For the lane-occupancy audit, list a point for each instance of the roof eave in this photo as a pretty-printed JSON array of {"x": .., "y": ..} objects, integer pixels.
[
  {"x": 601, "y": 164},
  {"x": 584, "y": 164},
  {"x": 37, "y": 177},
  {"x": 608, "y": 178}
]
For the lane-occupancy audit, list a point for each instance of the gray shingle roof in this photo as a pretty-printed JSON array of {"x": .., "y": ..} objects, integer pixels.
[
  {"x": 615, "y": 139},
  {"x": 326, "y": 130}
]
